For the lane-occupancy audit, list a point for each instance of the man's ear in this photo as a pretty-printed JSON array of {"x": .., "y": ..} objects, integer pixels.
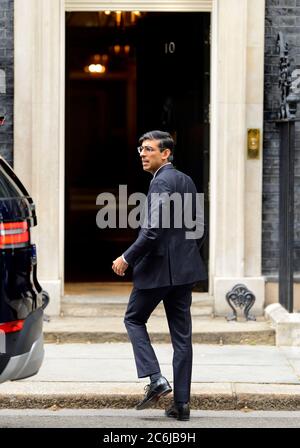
[{"x": 167, "y": 153}]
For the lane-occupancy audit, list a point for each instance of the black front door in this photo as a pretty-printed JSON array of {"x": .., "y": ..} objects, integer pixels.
[{"x": 162, "y": 83}]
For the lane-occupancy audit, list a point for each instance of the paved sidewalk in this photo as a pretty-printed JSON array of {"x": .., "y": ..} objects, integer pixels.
[{"x": 103, "y": 375}]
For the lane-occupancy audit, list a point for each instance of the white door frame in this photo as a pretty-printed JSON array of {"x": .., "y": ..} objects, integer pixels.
[
  {"x": 152, "y": 5},
  {"x": 236, "y": 103},
  {"x": 132, "y": 5}
]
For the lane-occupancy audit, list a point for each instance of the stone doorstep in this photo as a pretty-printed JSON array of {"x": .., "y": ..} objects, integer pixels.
[
  {"x": 286, "y": 325},
  {"x": 121, "y": 297},
  {"x": 112, "y": 329},
  {"x": 115, "y": 306},
  {"x": 208, "y": 396},
  {"x": 251, "y": 338},
  {"x": 118, "y": 310}
]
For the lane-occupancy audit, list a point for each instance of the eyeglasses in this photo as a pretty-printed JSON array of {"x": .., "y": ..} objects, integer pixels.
[{"x": 146, "y": 148}]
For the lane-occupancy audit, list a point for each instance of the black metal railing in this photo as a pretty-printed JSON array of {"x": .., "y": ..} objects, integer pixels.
[{"x": 286, "y": 123}]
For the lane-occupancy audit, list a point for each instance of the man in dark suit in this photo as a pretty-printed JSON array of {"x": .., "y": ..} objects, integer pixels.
[{"x": 166, "y": 264}]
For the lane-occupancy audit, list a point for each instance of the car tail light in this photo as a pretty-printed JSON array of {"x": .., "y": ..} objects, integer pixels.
[
  {"x": 13, "y": 234},
  {"x": 12, "y": 327}
]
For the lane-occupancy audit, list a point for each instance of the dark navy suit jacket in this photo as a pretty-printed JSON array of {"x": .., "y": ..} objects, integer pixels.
[{"x": 164, "y": 256}]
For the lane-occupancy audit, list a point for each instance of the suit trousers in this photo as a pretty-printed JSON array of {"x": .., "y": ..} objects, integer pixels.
[{"x": 177, "y": 303}]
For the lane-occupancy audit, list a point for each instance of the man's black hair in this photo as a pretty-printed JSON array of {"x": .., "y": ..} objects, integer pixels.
[{"x": 165, "y": 140}]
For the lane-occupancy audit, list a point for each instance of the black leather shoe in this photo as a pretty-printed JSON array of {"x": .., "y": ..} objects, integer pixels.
[
  {"x": 181, "y": 412},
  {"x": 153, "y": 392}
]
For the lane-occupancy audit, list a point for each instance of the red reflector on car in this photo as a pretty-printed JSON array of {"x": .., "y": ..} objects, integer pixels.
[
  {"x": 14, "y": 225},
  {"x": 12, "y": 327},
  {"x": 13, "y": 234}
]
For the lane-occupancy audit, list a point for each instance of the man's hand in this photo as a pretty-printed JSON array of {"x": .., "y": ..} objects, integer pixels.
[{"x": 119, "y": 266}]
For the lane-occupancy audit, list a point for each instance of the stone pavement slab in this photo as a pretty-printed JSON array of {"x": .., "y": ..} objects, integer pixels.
[
  {"x": 73, "y": 362},
  {"x": 103, "y": 375}
]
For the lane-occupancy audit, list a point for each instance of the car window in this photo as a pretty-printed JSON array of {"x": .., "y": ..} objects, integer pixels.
[{"x": 7, "y": 188}]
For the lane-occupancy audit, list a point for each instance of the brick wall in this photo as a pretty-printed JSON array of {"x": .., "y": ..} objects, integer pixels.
[
  {"x": 281, "y": 15},
  {"x": 6, "y": 64}
]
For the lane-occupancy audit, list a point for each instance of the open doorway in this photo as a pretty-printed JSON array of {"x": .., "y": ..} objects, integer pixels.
[{"x": 127, "y": 73}]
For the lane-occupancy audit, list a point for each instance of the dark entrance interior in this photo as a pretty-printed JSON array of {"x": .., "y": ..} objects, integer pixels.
[{"x": 128, "y": 73}]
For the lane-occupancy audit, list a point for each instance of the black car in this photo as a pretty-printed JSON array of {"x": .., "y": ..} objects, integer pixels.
[{"x": 22, "y": 300}]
